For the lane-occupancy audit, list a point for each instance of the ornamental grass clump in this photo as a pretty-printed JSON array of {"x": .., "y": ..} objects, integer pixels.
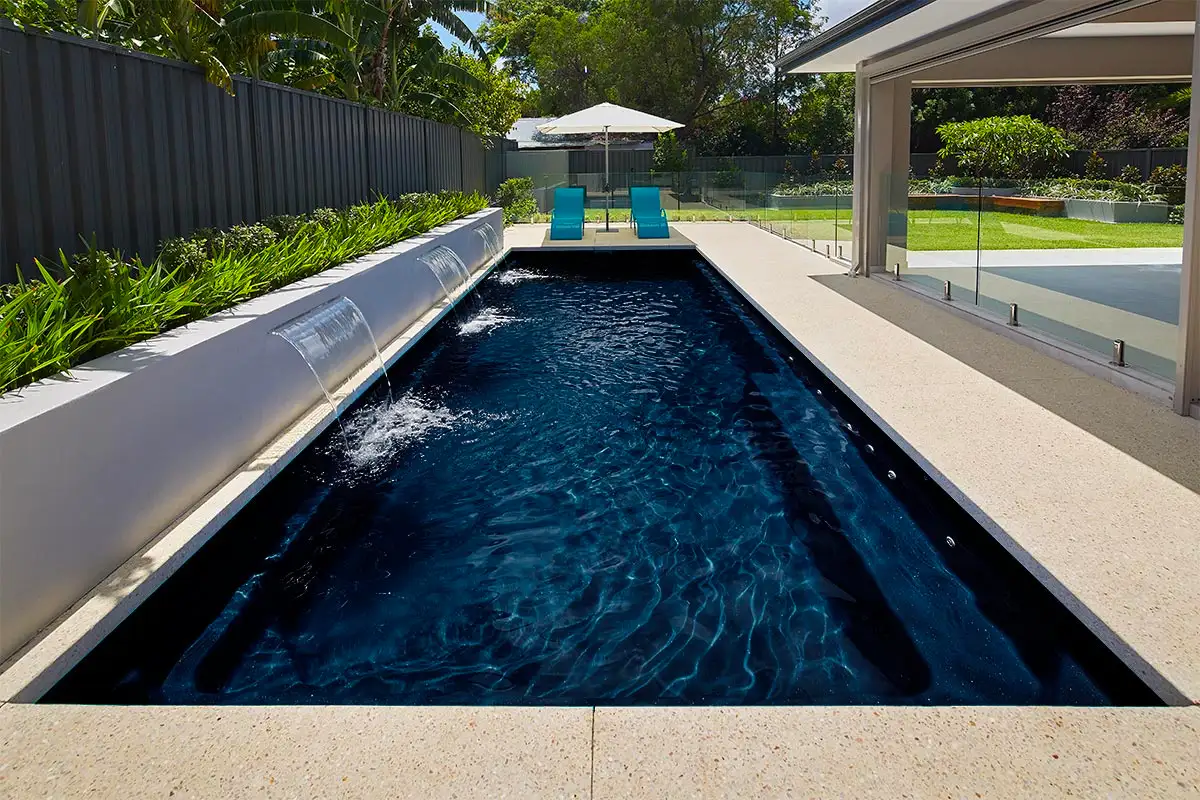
[{"x": 98, "y": 301}]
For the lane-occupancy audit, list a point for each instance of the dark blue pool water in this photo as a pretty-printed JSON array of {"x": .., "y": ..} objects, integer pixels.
[{"x": 604, "y": 482}]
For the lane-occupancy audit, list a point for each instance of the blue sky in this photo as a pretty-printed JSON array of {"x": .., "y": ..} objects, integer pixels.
[
  {"x": 836, "y": 10},
  {"x": 472, "y": 19}
]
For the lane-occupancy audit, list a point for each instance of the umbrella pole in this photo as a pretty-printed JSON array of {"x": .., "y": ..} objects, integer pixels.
[{"x": 607, "y": 185}]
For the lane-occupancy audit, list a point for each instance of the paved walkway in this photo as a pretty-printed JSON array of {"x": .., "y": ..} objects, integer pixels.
[
  {"x": 1088, "y": 297},
  {"x": 1097, "y": 485},
  {"x": 1094, "y": 256},
  {"x": 1121, "y": 537}
]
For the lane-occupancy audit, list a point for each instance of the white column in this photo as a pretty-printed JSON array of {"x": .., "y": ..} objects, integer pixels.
[
  {"x": 881, "y": 143},
  {"x": 1187, "y": 365}
]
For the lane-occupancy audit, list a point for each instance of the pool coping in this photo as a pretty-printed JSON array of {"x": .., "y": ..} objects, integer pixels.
[
  {"x": 34, "y": 668},
  {"x": 1158, "y": 683},
  {"x": 335, "y": 751}
]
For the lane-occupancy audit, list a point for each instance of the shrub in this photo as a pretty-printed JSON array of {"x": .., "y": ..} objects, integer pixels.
[
  {"x": 325, "y": 217},
  {"x": 814, "y": 163},
  {"x": 1170, "y": 181},
  {"x": 991, "y": 181},
  {"x": 186, "y": 256},
  {"x": 669, "y": 154},
  {"x": 926, "y": 186},
  {"x": 1010, "y": 147},
  {"x": 105, "y": 302},
  {"x": 1087, "y": 189},
  {"x": 1096, "y": 167},
  {"x": 813, "y": 188},
  {"x": 515, "y": 196},
  {"x": 285, "y": 225},
  {"x": 729, "y": 176},
  {"x": 1130, "y": 174},
  {"x": 245, "y": 239},
  {"x": 1175, "y": 215}
]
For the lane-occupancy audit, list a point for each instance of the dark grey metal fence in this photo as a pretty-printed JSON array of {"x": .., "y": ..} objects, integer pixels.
[
  {"x": 133, "y": 149},
  {"x": 1145, "y": 159},
  {"x": 639, "y": 161}
]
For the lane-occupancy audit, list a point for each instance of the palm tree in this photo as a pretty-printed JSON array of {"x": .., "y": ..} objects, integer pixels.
[
  {"x": 419, "y": 74},
  {"x": 360, "y": 49}
]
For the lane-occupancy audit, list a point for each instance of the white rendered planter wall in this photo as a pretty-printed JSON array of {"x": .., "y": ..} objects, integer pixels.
[{"x": 93, "y": 467}]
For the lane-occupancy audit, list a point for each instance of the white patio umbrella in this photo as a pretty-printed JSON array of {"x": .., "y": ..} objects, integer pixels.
[{"x": 608, "y": 118}]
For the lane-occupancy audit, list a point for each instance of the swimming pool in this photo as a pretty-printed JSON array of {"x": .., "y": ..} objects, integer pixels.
[{"x": 605, "y": 480}]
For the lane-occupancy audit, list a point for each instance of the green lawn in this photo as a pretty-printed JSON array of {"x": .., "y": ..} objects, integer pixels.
[
  {"x": 942, "y": 230},
  {"x": 957, "y": 230}
]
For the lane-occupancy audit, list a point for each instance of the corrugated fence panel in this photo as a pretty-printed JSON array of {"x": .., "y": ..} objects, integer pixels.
[
  {"x": 19, "y": 196},
  {"x": 99, "y": 142},
  {"x": 496, "y": 163},
  {"x": 619, "y": 161},
  {"x": 133, "y": 149},
  {"x": 473, "y": 178}
]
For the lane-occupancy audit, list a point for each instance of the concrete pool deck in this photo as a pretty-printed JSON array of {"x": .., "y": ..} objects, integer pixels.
[{"x": 1097, "y": 485}]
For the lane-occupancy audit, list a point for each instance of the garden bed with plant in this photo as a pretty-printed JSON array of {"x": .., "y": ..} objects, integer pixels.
[
  {"x": 1019, "y": 157},
  {"x": 98, "y": 302}
]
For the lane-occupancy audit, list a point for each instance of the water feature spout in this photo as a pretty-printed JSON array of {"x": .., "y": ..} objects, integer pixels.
[
  {"x": 328, "y": 338},
  {"x": 491, "y": 240},
  {"x": 448, "y": 269}
]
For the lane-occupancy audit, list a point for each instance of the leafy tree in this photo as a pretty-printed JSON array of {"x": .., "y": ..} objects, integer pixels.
[
  {"x": 679, "y": 60},
  {"x": 489, "y": 103},
  {"x": 559, "y": 53},
  {"x": 738, "y": 127},
  {"x": 1096, "y": 118},
  {"x": 933, "y": 107},
  {"x": 669, "y": 154},
  {"x": 511, "y": 26},
  {"x": 1003, "y": 147},
  {"x": 823, "y": 119},
  {"x": 358, "y": 49}
]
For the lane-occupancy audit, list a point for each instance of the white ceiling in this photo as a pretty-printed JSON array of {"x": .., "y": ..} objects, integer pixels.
[
  {"x": 1163, "y": 18},
  {"x": 1090, "y": 29},
  {"x": 925, "y": 20}
]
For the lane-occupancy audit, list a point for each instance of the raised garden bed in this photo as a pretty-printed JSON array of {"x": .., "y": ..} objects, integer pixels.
[
  {"x": 1113, "y": 211},
  {"x": 813, "y": 201},
  {"x": 1037, "y": 206},
  {"x": 136, "y": 437},
  {"x": 1116, "y": 210},
  {"x": 985, "y": 191}
]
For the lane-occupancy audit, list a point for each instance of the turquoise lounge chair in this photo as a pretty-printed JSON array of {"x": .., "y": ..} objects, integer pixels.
[
  {"x": 566, "y": 220},
  {"x": 648, "y": 217}
]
